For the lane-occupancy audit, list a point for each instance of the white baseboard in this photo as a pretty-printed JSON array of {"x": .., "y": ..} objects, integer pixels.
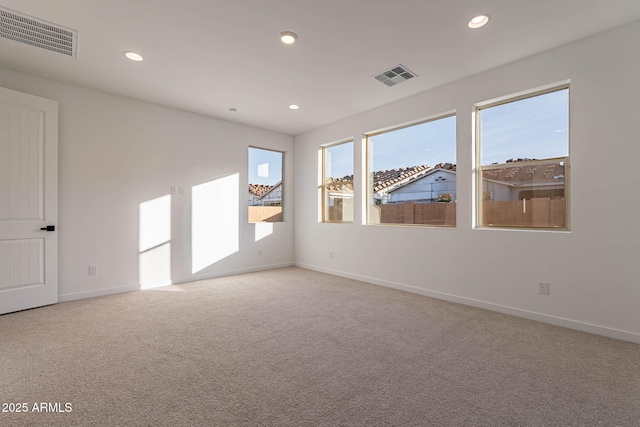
[
  {"x": 545, "y": 318},
  {"x": 97, "y": 293},
  {"x": 119, "y": 290}
]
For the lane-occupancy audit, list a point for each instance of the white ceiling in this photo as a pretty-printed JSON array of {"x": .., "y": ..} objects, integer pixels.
[{"x": 208, "y": 56}]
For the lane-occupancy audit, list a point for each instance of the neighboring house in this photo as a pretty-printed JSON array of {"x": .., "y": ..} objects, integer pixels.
[
  {"x": 265, "y": 195},
  {"x": 339, "y": 198},
  {"x": 424, "y": 184},
  {"x": 386, "y": 182},
  {"x": 436, "y": 185},
  {"x": 339, "y": 189},
  {"x": 516, "y": 182}
]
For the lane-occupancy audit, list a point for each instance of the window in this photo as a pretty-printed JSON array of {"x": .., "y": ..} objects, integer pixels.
[
  {"x": 337, "y": 182},
  {"x": 412, "y": 174},
  {"x": 523, "y": 161},
  {"x": 265, "y": 185}
]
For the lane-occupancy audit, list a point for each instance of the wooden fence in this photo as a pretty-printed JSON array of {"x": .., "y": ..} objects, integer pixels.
[
  {"x": 419, "y": 213},
  {"x": 542, "y": 212},
  {"x": 265, "y": 213}
]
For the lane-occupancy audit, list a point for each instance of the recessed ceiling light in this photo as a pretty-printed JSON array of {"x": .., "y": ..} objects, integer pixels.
[
  {"x": 288, "y": 37},
  {"x": 479, "y": 21},
  {"x": 294, "y": 106},
  {"x": 133, "y": 56}
]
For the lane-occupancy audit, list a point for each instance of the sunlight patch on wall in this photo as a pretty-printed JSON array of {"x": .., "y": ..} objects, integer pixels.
[
  {"x": 263, "y": 229},
  {"x": 155, "y": 267},
  {"x": 215, "y": 221},
  {"x": 154, "y": 243},
  {"x": 155, "y": 222}
]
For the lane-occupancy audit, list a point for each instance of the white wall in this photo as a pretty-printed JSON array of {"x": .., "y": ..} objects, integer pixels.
[
  {"x": 594, "y": 270},
  {"x": 116, "y": 153}
]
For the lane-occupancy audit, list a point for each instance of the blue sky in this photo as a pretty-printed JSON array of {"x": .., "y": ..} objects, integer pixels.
[
  {"x": 265, "y": 166},
  {"x": 340, "y": 160},
  {"x": 534, "y": 128},
  {"x": 531, "y": 128},
  {"x": 429, "y": 143}
]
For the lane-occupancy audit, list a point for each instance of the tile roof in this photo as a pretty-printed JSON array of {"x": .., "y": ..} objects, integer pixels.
[
  {"x": 259, "y": 190},
  {"x": 385, "y": 178},
  {"x": 339, "y": 184},
  {"x": 521, "y": 174},
  {"x": 449, "y": 167},
  {"x": 517, "y": 174}
]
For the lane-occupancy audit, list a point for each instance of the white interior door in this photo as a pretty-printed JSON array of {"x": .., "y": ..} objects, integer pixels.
[{"x": 28, "y": 201}]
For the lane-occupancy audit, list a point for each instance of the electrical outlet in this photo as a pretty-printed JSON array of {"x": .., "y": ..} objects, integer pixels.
[
  {"x": 259, "y": 252},
  {"x": 544, "y": 288},
  {"x": 173, "y": 190},
  {"x": 92, "y": 270},
  {"x": 181, "y": 191},
  {"x": 330, "y": 254}
]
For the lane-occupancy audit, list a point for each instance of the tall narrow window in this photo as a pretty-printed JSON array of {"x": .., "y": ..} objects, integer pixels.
[
  {"x": 523, "y": 161},
  {"x": 337, "y": 182},
  {"x": 412, "y": 174},
  {"x": 265, "y": 185}
]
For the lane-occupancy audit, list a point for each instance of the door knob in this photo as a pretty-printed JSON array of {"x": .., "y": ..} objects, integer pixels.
[{"x": 49, "y": 228}]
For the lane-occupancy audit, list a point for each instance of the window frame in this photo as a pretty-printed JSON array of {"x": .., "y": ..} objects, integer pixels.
[
  {"x": 368, "y": 191},
  {"x": 479, "y": 168},
  {"x": 282, "y": 181},
  {"x": 323, "y": 183}
]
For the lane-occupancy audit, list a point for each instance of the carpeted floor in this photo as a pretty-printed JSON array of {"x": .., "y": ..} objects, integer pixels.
[{"x": 292, "y": 347}]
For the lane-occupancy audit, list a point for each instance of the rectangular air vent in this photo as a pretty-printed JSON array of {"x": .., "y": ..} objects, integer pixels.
[
  {"x": 36, "y": 32},
  {"x": 395, "y": 75}
]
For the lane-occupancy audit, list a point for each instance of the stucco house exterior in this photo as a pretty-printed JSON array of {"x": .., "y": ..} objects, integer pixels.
[
  {"x": 437, "y": 185},
  {"x": 519, "y": 179},
  {"x": 265, "y": 195}
]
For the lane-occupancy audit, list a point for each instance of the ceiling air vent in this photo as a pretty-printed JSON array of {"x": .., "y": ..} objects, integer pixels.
[
  {"x": 36, "y": 32},
  {"x": 395, "y": 75}
]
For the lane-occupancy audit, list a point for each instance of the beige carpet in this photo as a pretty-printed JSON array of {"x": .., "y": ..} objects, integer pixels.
[{"x": 292, "y": 347}]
